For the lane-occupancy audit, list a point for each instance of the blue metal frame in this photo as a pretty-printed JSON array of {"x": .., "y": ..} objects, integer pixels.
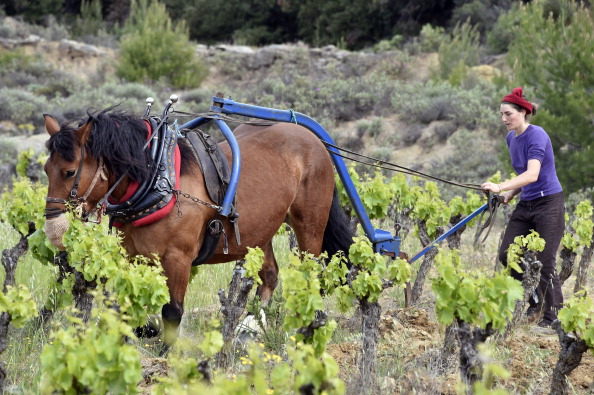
[
  {"x": 453, "y": 229},
  {"x": 382, "y": 240}
]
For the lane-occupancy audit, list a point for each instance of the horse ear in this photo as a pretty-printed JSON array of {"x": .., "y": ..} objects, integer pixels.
[
  {"x": 51, "y": 125},
  {"x": 84, "y": 132}
]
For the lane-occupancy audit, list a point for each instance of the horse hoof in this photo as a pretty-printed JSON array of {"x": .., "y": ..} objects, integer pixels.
[{"x": 151, "y": 329}]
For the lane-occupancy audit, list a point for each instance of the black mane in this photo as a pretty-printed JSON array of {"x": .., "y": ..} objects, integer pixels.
[
  {"x": 116, "y": 136},
  {"x": 119, "y": 138}
]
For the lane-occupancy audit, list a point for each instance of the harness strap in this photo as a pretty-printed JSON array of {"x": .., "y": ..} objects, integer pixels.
[
  {"x": 74, "y": 189},
  {"x": 98, "y": 173}
]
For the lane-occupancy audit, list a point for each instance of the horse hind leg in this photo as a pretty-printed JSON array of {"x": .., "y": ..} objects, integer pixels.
[
  {"x": 268, "y": 274},
  {"x": 325, "y": 227}
]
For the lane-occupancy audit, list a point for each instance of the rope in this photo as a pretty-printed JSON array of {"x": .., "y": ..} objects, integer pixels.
[
  {"x": 494, "y": 203},
  {"x": 380, "y": 164}
]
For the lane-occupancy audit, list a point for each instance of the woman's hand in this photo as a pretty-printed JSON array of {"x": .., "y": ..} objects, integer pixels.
[
  {"x": 495, "y": 188},
  {"x": 507, "y": 196}
]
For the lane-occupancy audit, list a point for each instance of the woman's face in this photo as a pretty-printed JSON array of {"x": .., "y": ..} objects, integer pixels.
[{"x": 512, "y": 118}]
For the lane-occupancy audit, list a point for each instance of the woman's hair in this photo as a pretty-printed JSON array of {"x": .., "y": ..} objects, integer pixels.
[{"x": 520, "y": 108}]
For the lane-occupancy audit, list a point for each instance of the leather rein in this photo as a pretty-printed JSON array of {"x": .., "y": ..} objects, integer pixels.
[{"x": 53, "y": 212}]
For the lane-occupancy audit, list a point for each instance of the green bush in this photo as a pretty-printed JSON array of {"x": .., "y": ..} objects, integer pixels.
[
  {"x": 470, "y": 107},
  {"x": 457, "y": 51},
  {"x": 471, "y": 160},
  {"x": 20, "y": 106},
  {"x": 152, "y": 48},
  {"x": 431, "y": 37},
  {"x": 501, "y": 35}
]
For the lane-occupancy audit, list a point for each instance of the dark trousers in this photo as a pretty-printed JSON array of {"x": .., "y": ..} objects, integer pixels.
[{"x": 546, "y": 215}]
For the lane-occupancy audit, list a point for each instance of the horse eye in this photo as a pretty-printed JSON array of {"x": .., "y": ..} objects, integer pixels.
[{"x": 70, "y": 173}]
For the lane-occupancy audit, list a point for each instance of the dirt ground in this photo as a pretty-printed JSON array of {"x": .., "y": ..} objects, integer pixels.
[{"x": 410, "y": 338}]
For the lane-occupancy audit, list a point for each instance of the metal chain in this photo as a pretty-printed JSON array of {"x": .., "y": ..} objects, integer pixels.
[{"x": 179, "y": 193}]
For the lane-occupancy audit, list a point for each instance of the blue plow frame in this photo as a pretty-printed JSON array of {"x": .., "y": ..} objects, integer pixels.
[
  {"x": 453, "y": 229},
  {"x": 383, "y": 241}
]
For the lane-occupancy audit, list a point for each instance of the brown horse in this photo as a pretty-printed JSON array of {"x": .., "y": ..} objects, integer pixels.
[{"x": 286, "y": 176}]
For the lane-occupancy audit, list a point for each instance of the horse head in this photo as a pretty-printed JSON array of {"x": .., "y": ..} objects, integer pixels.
[{"x": 76, "y": 178}]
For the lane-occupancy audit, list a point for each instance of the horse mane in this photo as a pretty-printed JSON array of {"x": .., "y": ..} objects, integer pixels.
[{"x": 118, "y": 137}]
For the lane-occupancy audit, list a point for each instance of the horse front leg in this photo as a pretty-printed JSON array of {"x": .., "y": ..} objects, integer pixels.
[{"x": 178, "y": 276}]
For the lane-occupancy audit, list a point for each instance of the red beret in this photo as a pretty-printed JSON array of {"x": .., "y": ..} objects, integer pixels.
[{"x": 516, "y": 98}]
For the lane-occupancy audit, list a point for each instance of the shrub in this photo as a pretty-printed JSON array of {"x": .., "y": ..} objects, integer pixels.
[
  {"x": 482, "y": 14},
  {"x": 431, "y": 37},
  {"x": 467, "y": 106},
  {"x": 8, "y": 152},
  {"x": 459, "y": 49},
  {"x": 501, "y": 35},
  {"x": 153, "y": 49},
  {"x": 471, "y": 159},
  {"x": 20, "y": 106}
]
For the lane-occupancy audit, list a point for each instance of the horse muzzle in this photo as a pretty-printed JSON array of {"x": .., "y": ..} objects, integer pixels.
[{"x": 55, "y": 228}]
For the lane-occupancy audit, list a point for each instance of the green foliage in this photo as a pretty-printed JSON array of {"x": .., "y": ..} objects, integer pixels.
[
  {"x": 24, "y": 204},
  {"x": 458, "y": 52},
  {"x": 431, "y": 101},
  {"x": 373, "y": 268},
  {"x": 319, "y": 370},
  {"x": 19, "y": 106},
  {"x": 388, "y": 44},
  {"x": 531, "y": 242},
  {"x": 18, "y": 302},
  {"x": 376, "y": 195},
  {"x": 92, "y": 356},
  {"x": 212, "y": 343},
  {"x": 501, "y": 36},
  {"x": 262, "y": 373},
  {"x": 583, "y": 227},
  {"x": 301, "y": 291},
  {"x": 253, "y": 263},
  {"x": 153, "y": 48},
  {"x": 473, "y": 297},
  {"x": 431, "y": 37},
  {"x": 342, "y": 194},
  {"x": 577, "y": 316},
  {"x": 493, "y": 374},
  {"x": 90, "y": 20},
  {"x": 562, "y": 81},
  {"x": 23, "y": 161},
  {"x": 140, "y": 289},
  {"x": 431, "y": 209}
]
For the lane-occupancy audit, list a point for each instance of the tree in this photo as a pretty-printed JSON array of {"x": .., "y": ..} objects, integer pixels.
[
  {"x": 552, "y": 54},
  {"x": 153, "y": 48}
]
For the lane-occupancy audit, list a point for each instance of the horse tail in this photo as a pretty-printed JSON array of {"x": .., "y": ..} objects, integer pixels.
[{"x": 338, "y": 235}]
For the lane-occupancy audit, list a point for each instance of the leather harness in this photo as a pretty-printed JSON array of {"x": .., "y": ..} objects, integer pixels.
[{"x": 156, "y": 191}]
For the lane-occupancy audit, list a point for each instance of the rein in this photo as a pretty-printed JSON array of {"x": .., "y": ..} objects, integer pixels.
[{"x": 380, "y": 164}]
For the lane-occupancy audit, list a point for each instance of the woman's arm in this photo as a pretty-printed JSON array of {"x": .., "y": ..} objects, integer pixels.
[{"x": 513, "y": 186}]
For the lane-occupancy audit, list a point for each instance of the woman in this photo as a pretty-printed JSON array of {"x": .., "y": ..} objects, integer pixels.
[{"x": 541, "y": 205}]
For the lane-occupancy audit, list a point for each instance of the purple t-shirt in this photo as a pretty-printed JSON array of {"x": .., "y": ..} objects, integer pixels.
[{"x": 534, "y": 143}]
